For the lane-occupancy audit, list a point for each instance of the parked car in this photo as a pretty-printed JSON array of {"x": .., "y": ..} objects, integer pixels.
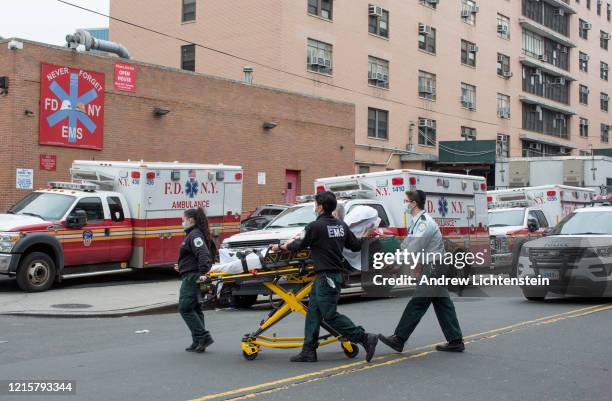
[
  {"x": 268, "y": 210},
  {"x": 576, "y": 256},
  {"x": 255, "y": 223}
]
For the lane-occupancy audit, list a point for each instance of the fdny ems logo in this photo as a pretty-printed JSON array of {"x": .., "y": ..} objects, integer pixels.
[
  {"x": 87, "y": 238},
  {"x": 443, "y": 206},
  {"x": 191, "y": 186}
]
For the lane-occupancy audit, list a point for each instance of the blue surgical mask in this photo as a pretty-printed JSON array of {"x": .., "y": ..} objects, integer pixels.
[{"x": 186, "y": 225}]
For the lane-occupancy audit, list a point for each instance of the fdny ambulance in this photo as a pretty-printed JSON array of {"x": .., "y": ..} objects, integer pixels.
[
  {"x": 456, "y": 202},
  {"x": 114, "y": 216},
  {"x": 518, "y": 215}
]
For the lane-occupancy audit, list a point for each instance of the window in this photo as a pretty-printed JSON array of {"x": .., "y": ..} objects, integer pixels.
[
  {"x": 539, "y": 119},
  {"x": 116, "y": 209},
  {"x": 319, "y": 57},
  {"x": 427, "y": 132},
  {"x": 468, "y": 96},
  {"x": 583, "y": 95},
  {"x": 503, "y": 105},
  {"x": 603, "y": 70},
  {"x": 604, "y": 101},
  {"x": 189, "y": 10},
  {"x": 468, "y": 53},
  {"x": 427, "y": 38},
  {"x": 604, "y": 133},
  {"x": 503, "y": 65},
  {"x": 583, "y": 29},
  {"x": 503, "y": 145},
  {"x": 92, "y": 208},
  {"x": 599, "y": 6},
  {"x": 320, "y": 8},
  {"x": 583, "y": 62},
  {"x": 378, "y": 123},
  {"x": 533, "y": 45},
  {"x": 539, "y": 215},
  {"x": 609, "y": 12},
  {"x": 378, "y": 72},
  {"x": 468, "y": 11},
  {"x": 378, "y": 21},
  {"x": 427, "y": 85},
  {"x": 429, "y": 3},
  {"x": 584, "y": 127},
  {"x": 503, "y": 26},
  {"x": 363, "y": 169},
  {"x": 469, "y": 134},
  {"x": 604, "y": 38},
  {"x": 588, "y": 4},
  {"x": 188, "y": 57}
]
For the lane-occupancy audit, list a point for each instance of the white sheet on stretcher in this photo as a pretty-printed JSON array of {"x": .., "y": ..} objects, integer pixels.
[{"x": 360, "y": 219}]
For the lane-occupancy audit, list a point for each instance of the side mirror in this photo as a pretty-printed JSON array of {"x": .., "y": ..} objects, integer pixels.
[
  {"x": 533, "y": 225},
  {"x": 76, "y": 219}
]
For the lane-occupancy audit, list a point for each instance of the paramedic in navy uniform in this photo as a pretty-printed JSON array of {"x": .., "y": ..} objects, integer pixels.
[
  {"x": 424, "y": 236},
  {"x": 195, "y": 260},
  {"x": 327, "y": 237}
]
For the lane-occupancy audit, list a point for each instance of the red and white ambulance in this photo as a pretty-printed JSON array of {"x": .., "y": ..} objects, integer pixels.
[
  {"x": 456, "y": 202},
  {"x": 114, "y": 216},
  {"x": 518, "y": 215}
]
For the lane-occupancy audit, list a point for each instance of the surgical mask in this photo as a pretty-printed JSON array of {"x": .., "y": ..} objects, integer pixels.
[
  {"x": 186, "y": 225},
  {"x": 408, "y": 210}
]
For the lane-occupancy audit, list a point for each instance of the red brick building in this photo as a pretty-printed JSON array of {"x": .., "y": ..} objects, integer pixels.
[{"x": 208, "y": 120}]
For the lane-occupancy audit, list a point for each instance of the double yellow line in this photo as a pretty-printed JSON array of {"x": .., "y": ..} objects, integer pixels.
[{"x": 287, "y": 383}]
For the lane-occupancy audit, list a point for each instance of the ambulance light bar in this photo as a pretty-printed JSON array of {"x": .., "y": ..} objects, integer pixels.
[
  {"x": 508, "y": 204},
  {"x": 87, "y": 186}
]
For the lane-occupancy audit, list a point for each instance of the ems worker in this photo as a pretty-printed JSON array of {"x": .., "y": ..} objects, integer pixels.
[
  {"x": 195, "y": 260},
  {"x": 327, "y": 237},
  {"x": 424, "y": 237}
]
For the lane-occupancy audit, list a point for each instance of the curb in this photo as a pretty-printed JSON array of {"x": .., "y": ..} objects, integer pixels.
[{"x": 136, "y": 311}]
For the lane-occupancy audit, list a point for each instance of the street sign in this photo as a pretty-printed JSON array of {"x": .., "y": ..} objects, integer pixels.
[
  {"x": 71, "y": 107},
  {"x": 125, "y": 77},
  {"x": 48, "y": 162}
]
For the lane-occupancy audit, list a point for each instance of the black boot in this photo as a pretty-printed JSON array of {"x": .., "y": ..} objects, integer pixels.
[
  {"x": 204, "y": 343},
  {"x": 369, "y": 344},
  {"x": 393, "y": 342},
  {"x": 305, "y": 356},
  {"x": 453, "y": 346},
  {"x": 192, "y": 347}
]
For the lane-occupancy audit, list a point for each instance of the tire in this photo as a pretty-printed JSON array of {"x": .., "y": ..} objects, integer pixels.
[
  {"x": 534, "y": 295},
  {"x": 250, "y": 357},
  {"x": 36, "y": 272},
  {"x": 352, "y": 354},
  {"x": 244, "y": 301}
]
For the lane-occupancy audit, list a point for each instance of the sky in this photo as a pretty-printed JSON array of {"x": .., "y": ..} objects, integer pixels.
[{"x": 49, "y": 21}]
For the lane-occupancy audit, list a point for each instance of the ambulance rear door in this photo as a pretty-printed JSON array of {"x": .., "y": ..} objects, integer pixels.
[{"x": 232, "y": 205}]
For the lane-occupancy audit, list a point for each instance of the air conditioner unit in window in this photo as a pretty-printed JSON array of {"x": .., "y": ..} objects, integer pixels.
[
  {"x": 375, "y": 11},
  {"x": 587, "y": 26},
  {"x": 426, "y": 89},
  {"x": 503, "y": 29},
  {"x": 472, "y": 48},
  {"x": 535, "y": 146},
  {"x": 605, "y": 98},
  {"x": 475, "y": 10},
  {"x": 606, "y": 36},
  {"x": 604, "y": 68},
  {"x": 466, "y": 13},
  {"x": 562, "y": 151},
  {"x": 584, "y": 57},
  {"x": 426, "y": 123},
  {"x": 432, "y": 1},
  {"x": 558, "y": 81},
  {"x": 467, "y": 103},
  {"x": 504, "y": 112},
  {"x": 559, "y": 12},
  {"x": 542, "y": 57},
  {"x": 506, "y": 74},
  {"x": 425, "y": 29}
]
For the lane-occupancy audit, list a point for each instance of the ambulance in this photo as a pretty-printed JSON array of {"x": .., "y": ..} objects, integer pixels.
[
  {"x": 114, "y": 216},
  {"x": 456, "y": 202},
  {"x": 518, "y": 215}
]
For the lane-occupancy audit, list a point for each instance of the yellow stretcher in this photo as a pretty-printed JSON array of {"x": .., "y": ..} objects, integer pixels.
[{"x": 291, "y": 268}]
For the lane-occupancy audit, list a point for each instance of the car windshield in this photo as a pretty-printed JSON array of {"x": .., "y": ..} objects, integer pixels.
[
  {"x": 297, "y": 216},
  {"x": 586, "y": 223},
  {"x": 47, "y": 206},
  {"x": 506, "y": 218}
]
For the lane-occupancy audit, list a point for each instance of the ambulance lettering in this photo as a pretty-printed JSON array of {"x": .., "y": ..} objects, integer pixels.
[
  {"x": 382, "y": 191},
  {"x": 191, "y": 204},
  {"x": 173, "y": 188},
  {"x": 209, "y": 188}
]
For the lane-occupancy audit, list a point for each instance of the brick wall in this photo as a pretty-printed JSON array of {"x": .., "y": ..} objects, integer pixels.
[{"x": 211, "y": 120}]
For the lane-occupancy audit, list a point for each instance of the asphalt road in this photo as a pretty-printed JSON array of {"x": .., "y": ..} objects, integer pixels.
[{"x": 517, "y": 350}]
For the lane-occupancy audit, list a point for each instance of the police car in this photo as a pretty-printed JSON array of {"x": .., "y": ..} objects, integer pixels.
[{"x": 576, "y": 257}]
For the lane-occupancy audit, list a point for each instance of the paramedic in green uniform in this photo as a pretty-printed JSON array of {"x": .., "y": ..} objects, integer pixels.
[
  {"x": 327, "y": 237},
  {"x": 424, "y": 236},
  {"x": 195, "y": 260}
]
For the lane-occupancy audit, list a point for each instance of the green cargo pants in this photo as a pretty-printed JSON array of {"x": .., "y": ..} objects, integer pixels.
[
  {"x": 418, "y": 305},
  {"x": 189, "y": 307},
  {"x": 322, "y": 306}
]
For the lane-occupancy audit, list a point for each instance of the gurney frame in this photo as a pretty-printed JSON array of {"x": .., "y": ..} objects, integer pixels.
[{"x": 295, "y": 269}]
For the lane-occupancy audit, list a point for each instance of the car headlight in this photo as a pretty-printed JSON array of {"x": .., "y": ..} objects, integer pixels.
[
  {"x": 8, "y": 240},
  {"x": 598, "y": 252}
]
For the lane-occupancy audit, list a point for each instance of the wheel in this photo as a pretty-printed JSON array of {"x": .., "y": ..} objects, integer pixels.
[
  {"x": 534, "y": 294},
  {"x": 353, "y": 353},
  {"x": 249, "y": 357},
  {"x": 244, "y": 301},
  {"x": 36, "y": 272}
]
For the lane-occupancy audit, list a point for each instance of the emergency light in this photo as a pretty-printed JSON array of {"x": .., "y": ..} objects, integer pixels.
[
  {"x": 89, "y": 187},
  {"x": 397, "y": 181},
  {"x": 551, "y": 193}
]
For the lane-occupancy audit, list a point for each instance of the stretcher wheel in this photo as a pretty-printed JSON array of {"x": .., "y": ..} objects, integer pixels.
[
  {"x": 249, "y": 357},
  {"x": 353, "y": 353}
]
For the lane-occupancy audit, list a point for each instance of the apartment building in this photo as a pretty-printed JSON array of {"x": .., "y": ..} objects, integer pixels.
[{"x": 444, "y": 84}]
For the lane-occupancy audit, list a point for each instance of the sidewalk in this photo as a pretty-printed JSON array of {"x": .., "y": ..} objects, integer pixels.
[{"x": 103, "y": 301}]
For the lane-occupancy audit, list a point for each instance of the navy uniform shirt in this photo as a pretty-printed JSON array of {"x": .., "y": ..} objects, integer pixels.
[
  {"x": 194, "y": 255},
  {"x": 326, "y": 237}
]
